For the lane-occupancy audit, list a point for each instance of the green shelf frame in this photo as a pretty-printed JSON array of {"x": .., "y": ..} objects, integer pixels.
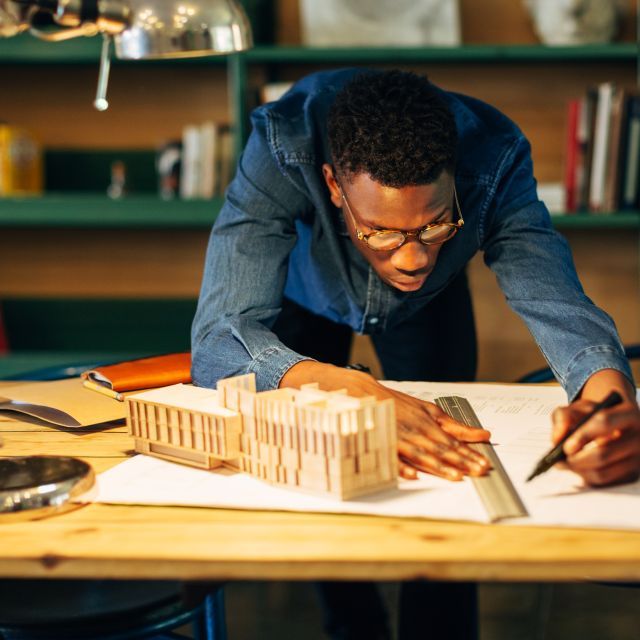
[
  {"x": 25, "y": 49},
  {"x": 464, "y": 53},
  {"x": 99, "y": 212},
  {"x": 613, "y": 220},
  {"x": 149, "y": 212}
]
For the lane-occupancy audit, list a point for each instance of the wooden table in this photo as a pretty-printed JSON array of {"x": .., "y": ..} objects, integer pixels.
[{"x": 203, "y": 544}]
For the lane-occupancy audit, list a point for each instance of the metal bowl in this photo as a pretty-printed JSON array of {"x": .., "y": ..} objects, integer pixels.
[{"x": 34, "y": 487}]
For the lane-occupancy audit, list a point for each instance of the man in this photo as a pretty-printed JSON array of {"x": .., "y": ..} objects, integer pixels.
[{"x": 357, "y": 203}]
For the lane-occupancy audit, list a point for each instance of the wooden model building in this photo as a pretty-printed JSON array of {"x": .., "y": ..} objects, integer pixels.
[{"x": 318, "y": 441}]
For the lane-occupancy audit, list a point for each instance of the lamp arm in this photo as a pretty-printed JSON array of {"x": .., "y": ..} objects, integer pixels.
[{"x": 66, "y": 33}]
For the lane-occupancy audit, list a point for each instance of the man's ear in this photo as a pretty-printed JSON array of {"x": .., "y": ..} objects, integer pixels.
[{"x": 332, "y": 185}]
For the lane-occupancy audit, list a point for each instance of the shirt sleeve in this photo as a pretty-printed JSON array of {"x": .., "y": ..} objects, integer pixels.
[
  {"x": 245, "y": 272},
  {"x": 535, "y": 270}
]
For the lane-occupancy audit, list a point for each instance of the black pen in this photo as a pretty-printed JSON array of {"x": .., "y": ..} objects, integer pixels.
[{"x": 557, "y": 453}]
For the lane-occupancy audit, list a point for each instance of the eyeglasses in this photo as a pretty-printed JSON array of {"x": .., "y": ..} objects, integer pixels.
[{"x": 390, "y": 239}]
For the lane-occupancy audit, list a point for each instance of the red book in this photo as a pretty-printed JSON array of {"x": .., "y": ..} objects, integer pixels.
[{"x": 571, "y": 162}]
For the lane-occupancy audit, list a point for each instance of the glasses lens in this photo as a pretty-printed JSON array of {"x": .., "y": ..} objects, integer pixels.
[
  {"x": 385, "y": 241},
  {"x": 438, "y": 233}
]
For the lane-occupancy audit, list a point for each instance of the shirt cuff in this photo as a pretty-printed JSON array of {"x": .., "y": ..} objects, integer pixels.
[
  {"x": 588, "y": 362},
  {"x": 271, "y": 364}
]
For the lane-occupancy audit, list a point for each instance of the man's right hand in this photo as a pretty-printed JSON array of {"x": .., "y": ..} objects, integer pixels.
[{"x": 429, "y": 440}]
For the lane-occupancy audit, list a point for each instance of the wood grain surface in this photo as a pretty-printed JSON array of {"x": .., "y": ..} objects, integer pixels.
[{"x": 110, "y": 541}]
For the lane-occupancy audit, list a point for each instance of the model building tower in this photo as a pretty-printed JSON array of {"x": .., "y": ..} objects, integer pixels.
[{"x": 309, "y": 439}]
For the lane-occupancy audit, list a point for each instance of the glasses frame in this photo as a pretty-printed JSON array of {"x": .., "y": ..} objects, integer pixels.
[{"x": 405, "y": 234}]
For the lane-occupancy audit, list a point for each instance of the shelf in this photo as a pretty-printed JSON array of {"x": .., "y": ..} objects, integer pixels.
[
  {"x": 617, "y": 220},
  {"x": 26, "y": 49},
  {"x": 97, "y": 211},
  {"x": 465, "y": 53}
]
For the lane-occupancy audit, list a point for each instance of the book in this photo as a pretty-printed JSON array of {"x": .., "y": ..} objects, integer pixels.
[
  {"x": 612, "y": 182},
  {"x": 631, "y": 156},
  {"x": 586, "y": 130},
  {"x": 571, "y": 161},
  {"x": 600, "y": 160},
  {"x": 225, "y": 158},
  {"x": 191, "y": 163},
  {"x": 145, "y": 373},
  {"x": 273, "y": 91},
  {"x": 209, "y": 172},
  {"x": 21, "y": 166},
  {"x": 554, "y": 196}
]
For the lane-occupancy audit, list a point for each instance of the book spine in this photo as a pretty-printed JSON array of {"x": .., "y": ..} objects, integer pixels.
[
  {"x": 190, "y": 175},
  {"x": 570, "y": 176},
  {"x": 586, "y": 134},
  {"x": 21, "y": 165},
  {"x": 599, "y": 164},
  {"x": 611, "y": 190},
  {"x": 209, "y": 172},
  {"x": 629, "y": 190}
]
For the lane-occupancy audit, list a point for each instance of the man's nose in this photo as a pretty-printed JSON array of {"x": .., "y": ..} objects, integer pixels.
[{"x": 411, "y": 256}]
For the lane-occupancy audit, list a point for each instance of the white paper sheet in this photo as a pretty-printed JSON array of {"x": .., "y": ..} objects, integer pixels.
[{"x": 517, "y": 416}]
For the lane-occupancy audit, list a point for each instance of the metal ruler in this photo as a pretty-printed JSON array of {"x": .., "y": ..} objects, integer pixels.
[{"x": 499, "y": 496}]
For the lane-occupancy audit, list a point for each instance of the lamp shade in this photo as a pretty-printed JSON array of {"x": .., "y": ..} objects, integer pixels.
[
  {"x": 182, "y": 28},
  {"x": 13, "y": 18}
]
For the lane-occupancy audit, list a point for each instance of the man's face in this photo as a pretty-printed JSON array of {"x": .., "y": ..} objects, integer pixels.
[{"x": 376, "y": 207}]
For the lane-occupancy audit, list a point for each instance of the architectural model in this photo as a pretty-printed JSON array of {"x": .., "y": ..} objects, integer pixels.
[{"x": 323, "y": 442}]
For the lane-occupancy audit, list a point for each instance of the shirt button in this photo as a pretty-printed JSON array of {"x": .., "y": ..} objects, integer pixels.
[{"x": 373, "y": 320}]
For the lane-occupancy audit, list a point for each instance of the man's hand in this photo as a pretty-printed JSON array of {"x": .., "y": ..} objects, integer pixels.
[
  {"x": 606, "y": 449},
  {"x": 428, "y": 439}
]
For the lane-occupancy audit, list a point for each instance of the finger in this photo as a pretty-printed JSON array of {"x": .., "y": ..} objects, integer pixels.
[
  {"x": 463, "y": 432},
  {"x": 435, "y": 433},
  {"x": 406, "y": 471},
  {"x": 454, "y": 427},
  {"x": 454, "y": 454},
  {"x": 603, "y": 423},
  {"x": 564, "y": 417},
  {"x": 626, "y": 470},
  {"x": 476, "y": 456},
  {"x": 606, "y": 450},
  {"x": 427, "y": 462}
]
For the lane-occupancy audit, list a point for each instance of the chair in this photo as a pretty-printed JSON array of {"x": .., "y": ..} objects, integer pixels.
[
  {"x": 109, "y": 610},
  {"x": 545, "y": 375}
]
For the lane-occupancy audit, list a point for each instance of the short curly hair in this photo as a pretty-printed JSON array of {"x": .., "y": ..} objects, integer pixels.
[{"x": 394, "y": 126}]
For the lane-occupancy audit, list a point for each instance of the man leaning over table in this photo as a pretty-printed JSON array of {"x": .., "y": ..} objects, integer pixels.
[{"x": 357, "y": 203}]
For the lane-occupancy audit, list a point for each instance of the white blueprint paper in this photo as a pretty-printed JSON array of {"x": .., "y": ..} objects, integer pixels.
[{"x": 518, "y": 417}]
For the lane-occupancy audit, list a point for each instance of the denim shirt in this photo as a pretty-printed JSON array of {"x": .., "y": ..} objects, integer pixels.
[{"x": 278, "y": 233}]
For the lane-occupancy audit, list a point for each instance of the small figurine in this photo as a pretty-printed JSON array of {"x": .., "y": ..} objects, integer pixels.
[{"x": 574, "y": 22}]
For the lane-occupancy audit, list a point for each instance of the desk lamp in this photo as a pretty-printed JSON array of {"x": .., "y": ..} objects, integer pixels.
[{"x": 140, "y": 29}]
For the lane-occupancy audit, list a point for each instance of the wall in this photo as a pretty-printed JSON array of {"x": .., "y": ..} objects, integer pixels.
[{"x": 152, "y": 103}]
